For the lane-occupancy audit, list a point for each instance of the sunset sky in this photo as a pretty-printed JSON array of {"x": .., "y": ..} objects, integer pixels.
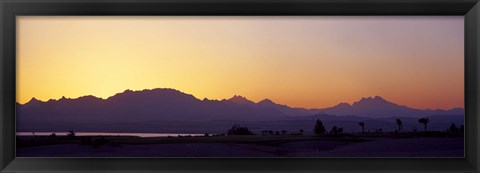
[{"x": 310, "y": 62}]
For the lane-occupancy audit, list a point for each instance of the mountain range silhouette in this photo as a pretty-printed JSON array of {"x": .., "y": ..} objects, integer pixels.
[{"x": 173, "y": 105}]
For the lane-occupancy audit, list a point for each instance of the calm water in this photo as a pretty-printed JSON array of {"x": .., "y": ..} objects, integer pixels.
[{"x": 107, "y": 134}]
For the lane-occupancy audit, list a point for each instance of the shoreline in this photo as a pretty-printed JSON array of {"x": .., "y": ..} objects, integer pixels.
[{"x": 248, "y": 146}]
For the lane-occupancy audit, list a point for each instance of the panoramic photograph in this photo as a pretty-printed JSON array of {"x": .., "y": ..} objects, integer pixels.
[{"x": 240, "y": 86}]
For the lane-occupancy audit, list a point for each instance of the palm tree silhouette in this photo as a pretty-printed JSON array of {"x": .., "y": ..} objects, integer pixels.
[
  {"x": 400, "y": 126},
  {"x": 363, "y": 125},
  {"x": 424, "y": 121}
]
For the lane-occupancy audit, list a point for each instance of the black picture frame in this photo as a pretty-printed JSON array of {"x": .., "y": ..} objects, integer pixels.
[{"x": 9, "y": 9}]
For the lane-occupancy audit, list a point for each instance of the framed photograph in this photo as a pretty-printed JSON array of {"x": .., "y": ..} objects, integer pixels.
[{"x": 267, "y": 86}]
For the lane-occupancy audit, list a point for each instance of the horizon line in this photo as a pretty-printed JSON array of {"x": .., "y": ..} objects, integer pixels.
[{"x": 369, "y": 97}]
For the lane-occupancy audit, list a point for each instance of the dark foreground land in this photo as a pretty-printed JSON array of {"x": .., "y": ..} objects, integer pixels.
[{"x": 241, "y": 146}]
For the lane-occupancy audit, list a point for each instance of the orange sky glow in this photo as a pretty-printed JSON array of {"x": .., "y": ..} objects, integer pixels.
[{"x": 310, "y": 62}]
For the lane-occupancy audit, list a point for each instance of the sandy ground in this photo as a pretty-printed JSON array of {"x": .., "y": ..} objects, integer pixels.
[{"x": 414, "y": 147}]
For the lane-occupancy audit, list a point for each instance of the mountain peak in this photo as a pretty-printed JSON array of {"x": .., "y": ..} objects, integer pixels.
[
  {"x": 266, "y": 101},
  {"x": 343, "y": 104},
  {"x": 240, "y": 100},
  {"x": 372, "y": 99},
  {"x": 128, "y": 94},
  {"x": 89, "y": 98},
  {"x": 378, "y": 98},
  {"x": 34, "y": 101},
  {"x": 237, "y": 97},
  {"x": 128, "y": 91},
  {"x": 376, "y": 101}
]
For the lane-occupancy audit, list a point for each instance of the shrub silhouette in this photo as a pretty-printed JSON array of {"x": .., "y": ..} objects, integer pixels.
[
  {"x": 301, "y": 131},
  {"x": 424, "y": 121},
  {"x": 319, "y": 128},
  {"x": 284, "y": 132},
  {"x": 264, "y": 132},
  {"x": 362, "y": 124},
  {"x": 336, "y": 130},
  {"x": 270, "y": 132},
  {"x": 239, "y": 130},
  {"x": 453, "y": 128},
  {"x": 400, "y": 125}
]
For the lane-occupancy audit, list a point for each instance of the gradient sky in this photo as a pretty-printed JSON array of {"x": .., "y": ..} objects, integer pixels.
[{"x": 310, "y": 62}]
